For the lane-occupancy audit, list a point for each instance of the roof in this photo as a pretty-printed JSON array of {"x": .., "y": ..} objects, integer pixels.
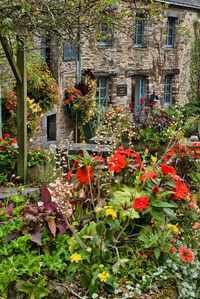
[{"x": 184, "y": 3}]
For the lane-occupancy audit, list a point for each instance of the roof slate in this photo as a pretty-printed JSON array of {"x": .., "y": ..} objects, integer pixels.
[{"x": 185, "y": 3}]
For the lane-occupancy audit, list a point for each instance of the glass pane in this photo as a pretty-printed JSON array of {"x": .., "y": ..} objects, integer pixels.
[
  {"x": 102, "y": 93},
  {"x": 103, "y": 82}
]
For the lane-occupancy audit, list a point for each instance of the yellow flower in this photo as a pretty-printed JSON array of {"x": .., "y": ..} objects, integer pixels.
[
  {"x": 98, "y": 210},
  {"x": 70, "y": 247},
  {"x": 173, "y": 228},
  {"x": 75, "y": 257},
  {"x": 107, "y": 207},
  {"x": 103, "y": 276},
  {"x": 112, "y": 213}
]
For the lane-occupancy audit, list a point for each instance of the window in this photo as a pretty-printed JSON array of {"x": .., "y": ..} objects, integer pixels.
[
  {"x": 46, "y": 48},
  {"x": 104, "y": 35},
  {"x": 170, "y": 32},
  {"x": 102, "y": 91},
  {"x": 168, "y": 90},
  {"x": 69, "y": 52},
  {"x": 51, "y": 127},
  {"x": 139, "y": 31},
  {"x": 138, "y": 91}
]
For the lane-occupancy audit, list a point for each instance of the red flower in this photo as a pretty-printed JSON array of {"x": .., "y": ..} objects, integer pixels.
[
  {"x": 153, "y": 103},
  {"x": 172, "y": 249},
  {"x": 141, "y": 203},
  {"x": 186, "y": 255},
  {"x": 171, "y": 153},
  {"x": 117, "y": 162},
  {"x": 165, "y": 158},
  {"x": 99, "y": 161},
  {"x": 1, "y": 139},
  {"x": 167, "y": 169},
  {"x": 176, "y": 177},
  {"x": 148, "y": 175},
  {"x": 155, "y": 189},
  {"x": 7, "y": 135},
  {"x": 131, "y": 105},
  {"x": 84, "y": 175},
  {"x": 181, "y": 191},
  {"x": 69, "y": 175},
  {"x": 142, "y": 101}
]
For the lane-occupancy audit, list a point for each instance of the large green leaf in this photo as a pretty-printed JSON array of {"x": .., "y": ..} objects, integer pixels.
[
  {"x": 35, "y": 290},
  {"x": 164, "y": 204}
]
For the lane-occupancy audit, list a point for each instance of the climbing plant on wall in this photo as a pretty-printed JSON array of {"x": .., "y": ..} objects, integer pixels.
[
  {"x": 193, "y": 107},
  {"x": 42, "y": 91}
]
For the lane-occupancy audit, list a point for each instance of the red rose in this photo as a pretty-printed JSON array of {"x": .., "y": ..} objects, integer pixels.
[
  {"x": 155, "y": 189},
  {"x": 142, "y": 101},
  {"x": 167, "y": 169},
  {"x": 84, "y": 175},
  {"x": 141, "y": 203},
  {"x": 7, "y": 135}
]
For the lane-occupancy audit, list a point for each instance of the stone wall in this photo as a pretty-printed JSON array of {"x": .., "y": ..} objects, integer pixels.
[{"x": 120, "y": 61}]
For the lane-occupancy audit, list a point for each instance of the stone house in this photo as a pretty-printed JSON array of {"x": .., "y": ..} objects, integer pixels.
[{"x": 154, "y": 60}]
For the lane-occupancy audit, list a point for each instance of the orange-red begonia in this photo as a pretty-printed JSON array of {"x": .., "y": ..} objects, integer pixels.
[
  {"x": 186, "y": 255},
  {"x": 141, "y": 203},
  {"x": 84, "y": 174}
]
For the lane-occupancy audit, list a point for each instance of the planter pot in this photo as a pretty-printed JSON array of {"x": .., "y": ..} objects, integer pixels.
[{"x": 37, "y": 172}]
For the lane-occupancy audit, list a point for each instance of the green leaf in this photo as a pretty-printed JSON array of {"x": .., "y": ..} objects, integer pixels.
[
  {"x": 120, "y": 262},
  {"x": 157, "y": 252},
  {"x": 166, "y": 193},
  {"x": 100, "y": 228},
  {"x": 153, "y": 159},
  {"x": 36, "y": 290},
  {"x": 164, "y": 205},
  {"x": 113, "y": 223},
  {"x": 158, "y": 216},
  {"x": 85, "y": 280},
  {"x": 169, "y": 213}
]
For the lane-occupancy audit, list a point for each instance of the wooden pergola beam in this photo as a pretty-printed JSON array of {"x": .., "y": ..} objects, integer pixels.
[{"x": 11, "y": 59}]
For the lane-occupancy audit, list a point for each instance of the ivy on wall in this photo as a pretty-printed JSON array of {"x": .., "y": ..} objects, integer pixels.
[{"x": 193, "y": 107}]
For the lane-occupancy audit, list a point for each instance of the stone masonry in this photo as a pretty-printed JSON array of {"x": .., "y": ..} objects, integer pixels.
[{"x": 121, "y": 62}]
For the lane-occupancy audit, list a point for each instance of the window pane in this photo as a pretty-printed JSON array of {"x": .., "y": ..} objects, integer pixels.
[
  {"x": 139, "y": 32},
  {"x": 168, "y": 89},
  {"x": 101, "y": 94},
  {"x": 170, "y": 32}
]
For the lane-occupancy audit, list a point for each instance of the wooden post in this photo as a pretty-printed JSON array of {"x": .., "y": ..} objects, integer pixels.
[
  {"x": 0, "y": 115},
  {"x": 22, "y": 110}
]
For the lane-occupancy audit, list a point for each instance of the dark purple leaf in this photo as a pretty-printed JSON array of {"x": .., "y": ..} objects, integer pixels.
[
  {"x": 11, "y": 237},
  {"x": 52, "y": 225},
  {"x": 31, "y": 210},
  {"x": 10, "y": 209},
  {"x": 61, "y": 228},
  {"x": 36, "y": 235},
  {"x": 46, "y": 198}
]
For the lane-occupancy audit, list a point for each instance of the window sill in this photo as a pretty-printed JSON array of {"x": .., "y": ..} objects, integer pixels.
[
  {"x": 171, "y": 49},
  {"x": 142, "y": 48}
]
